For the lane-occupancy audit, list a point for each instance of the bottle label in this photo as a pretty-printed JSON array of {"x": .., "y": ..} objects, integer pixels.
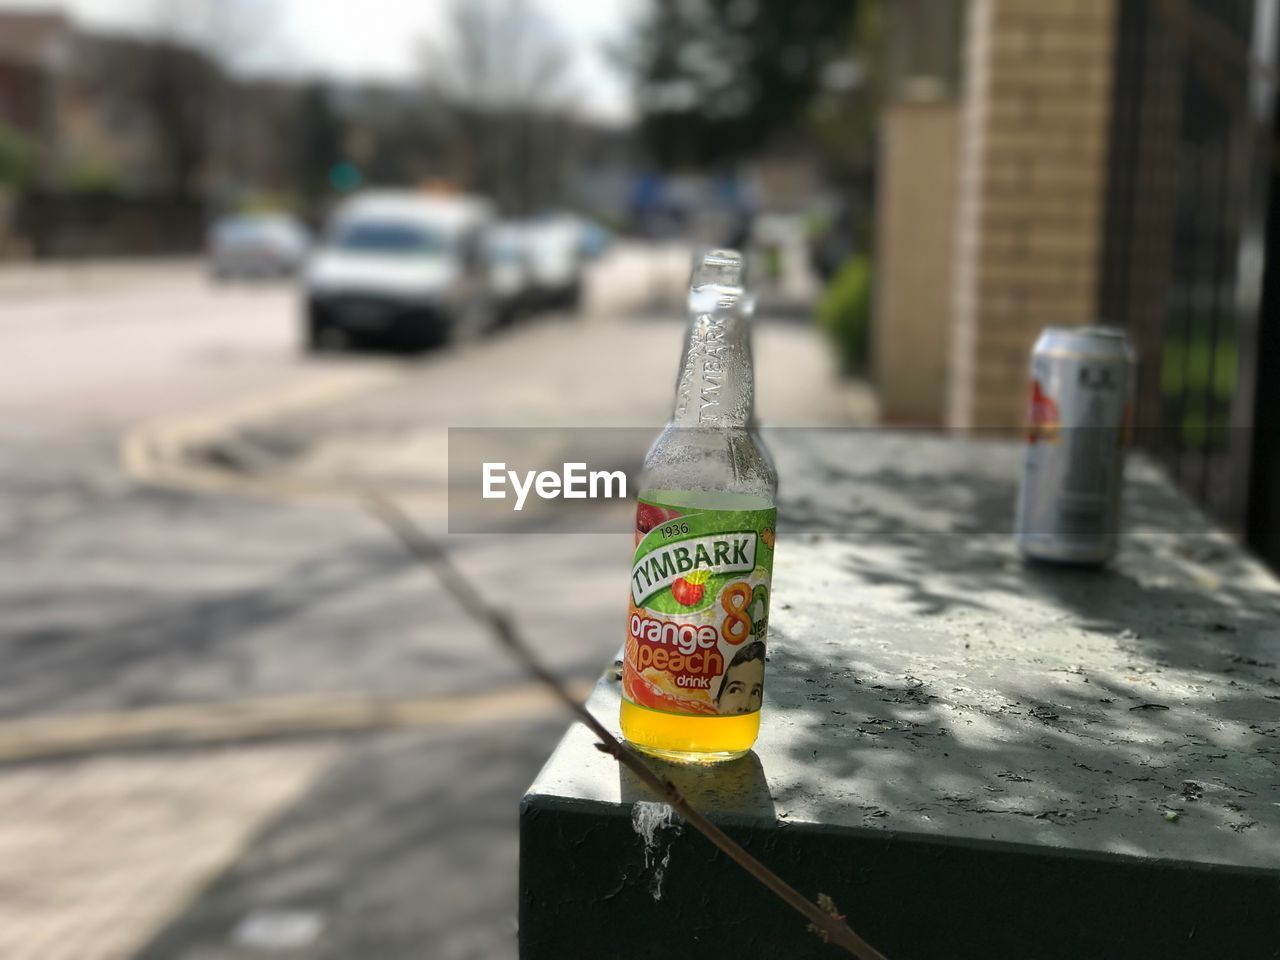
[{"x": 700, "y": 583}]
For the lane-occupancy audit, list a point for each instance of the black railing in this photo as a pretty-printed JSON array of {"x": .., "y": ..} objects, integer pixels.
[{"x": 1192, "y": 163}]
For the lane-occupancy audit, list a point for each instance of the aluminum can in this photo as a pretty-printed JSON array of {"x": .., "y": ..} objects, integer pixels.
[{"x": 1079, "y": 425}]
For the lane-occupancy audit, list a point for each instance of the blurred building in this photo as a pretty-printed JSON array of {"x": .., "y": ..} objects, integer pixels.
[
  {"x": 260, "y": 138},
  {"x": 132, "y": 142},
  {"x": 116, "y": 147},
  {"x": 86, "y": 102},
  {"x": 34, "y": 51},
  {"x": 602, "y": 169}
]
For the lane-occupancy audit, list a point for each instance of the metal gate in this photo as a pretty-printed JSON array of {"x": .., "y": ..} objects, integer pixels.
[{"x": 1185, "y": 258}]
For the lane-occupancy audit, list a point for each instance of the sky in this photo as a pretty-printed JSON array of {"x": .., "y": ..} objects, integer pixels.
[{"x": 382, "y": 39}]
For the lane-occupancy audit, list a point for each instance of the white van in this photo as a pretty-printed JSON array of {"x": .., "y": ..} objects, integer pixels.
[{"x": 405, "y": 268}]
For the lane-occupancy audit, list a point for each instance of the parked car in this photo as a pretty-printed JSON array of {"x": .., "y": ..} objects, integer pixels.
[
  {"x": 510, "y": 271},
  {"x": 406, "y": 268},
  {"x": 253, "y": 245},
  {"x": 554, "y": 249},
  {"x": 594, "y": 240}
]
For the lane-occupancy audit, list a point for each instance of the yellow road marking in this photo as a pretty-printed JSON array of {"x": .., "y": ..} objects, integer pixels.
[
  {"x": 155, "y": 452},
  {"x": 204, "y": 724}
]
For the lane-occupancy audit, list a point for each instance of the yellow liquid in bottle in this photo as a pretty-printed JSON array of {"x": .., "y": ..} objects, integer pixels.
[
  {"x": 681, "y": 737},
  {"x": 672, "y": 736}
]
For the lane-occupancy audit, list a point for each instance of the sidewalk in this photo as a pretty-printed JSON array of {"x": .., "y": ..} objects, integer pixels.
[
  {"x": 605, "y": 369},
  {"x": 23, "y": 280}
]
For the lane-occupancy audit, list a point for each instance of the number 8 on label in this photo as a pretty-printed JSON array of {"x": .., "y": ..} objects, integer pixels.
[{"x": 735, "y": 600}]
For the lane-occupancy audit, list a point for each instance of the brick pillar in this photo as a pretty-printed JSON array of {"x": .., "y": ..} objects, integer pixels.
[
  {"x": 1032, "y": 175},
  {"x": 915, "y": 206},
  {"x": 915, "y": 209}
]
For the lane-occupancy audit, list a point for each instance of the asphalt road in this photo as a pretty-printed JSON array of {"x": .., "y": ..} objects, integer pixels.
[
  {"x": 91, "y": 352},
  {"x": 110, "y": 347},
  {"x": 120, "y": 595},
  {"x": 122, "y": 599}
]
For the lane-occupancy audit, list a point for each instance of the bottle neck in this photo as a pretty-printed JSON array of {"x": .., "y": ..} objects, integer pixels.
[{"x": 715, "y": 388}]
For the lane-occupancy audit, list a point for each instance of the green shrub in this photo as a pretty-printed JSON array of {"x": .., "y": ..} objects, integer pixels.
[
  {"x": 773, "y": 263},
  {"x": 16, "y": 157},
  {"x": 844, "y": 312},
  {"x": 94, "y": 176}
]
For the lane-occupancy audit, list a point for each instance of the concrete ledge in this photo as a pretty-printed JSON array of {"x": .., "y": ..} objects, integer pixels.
[{"x": 972, "y": 756}]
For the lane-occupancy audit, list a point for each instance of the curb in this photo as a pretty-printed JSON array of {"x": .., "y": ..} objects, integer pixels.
[
  {"x": 158, "y": 453},
  {"x": 204, "y": 725}
]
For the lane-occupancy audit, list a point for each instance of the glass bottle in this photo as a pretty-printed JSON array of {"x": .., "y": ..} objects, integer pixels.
[{"x": 693, "y": 664}]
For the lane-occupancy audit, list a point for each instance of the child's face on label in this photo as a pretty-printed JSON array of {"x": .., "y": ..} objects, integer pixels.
[{"x": 742, "y": 688}]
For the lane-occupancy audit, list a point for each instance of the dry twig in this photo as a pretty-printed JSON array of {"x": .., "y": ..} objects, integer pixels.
[{"x": 823, "y": 920}]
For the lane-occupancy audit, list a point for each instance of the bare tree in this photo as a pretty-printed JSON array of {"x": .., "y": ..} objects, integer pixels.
[
  {"x": 184, "y": 80},
  {"x": 504, "y": 70}
]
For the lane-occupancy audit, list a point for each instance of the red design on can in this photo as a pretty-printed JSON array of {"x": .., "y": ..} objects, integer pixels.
[{"x": 1045, "y": 418}]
